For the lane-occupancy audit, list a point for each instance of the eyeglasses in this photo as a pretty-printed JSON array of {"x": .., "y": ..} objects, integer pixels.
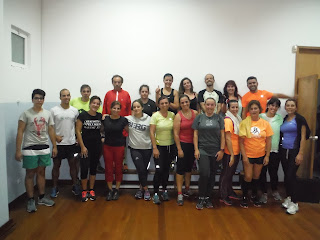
[{"x": 38, "y": 98}]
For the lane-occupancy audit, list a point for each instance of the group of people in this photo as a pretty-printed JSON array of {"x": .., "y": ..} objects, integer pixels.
[{"x": 179, "y": 127}]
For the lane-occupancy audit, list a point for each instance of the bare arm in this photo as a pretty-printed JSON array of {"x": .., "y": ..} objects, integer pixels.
[
  {"x": 158, "y": 95},
  {"x": 21, "y": 128},
  {"x": 223, "y": 108},
  {"x": 195, "y": 143},
  {"x": 176, "y": 131},
  {"x": 218, "y": 108},
  {"x": 202, "y": 106},
  {"x": 299, "y": 157},
  {"x": 153, "y": 141},
  {"x": 268, "y": 149},
  {"x": 52, "y": 136},
  {"x": 175, "y": 104},
  {"x": 242, "y": 149},
  {"x": 280, "y": 95},
  {"x": 84, "y": 150},
  {"x": 244, "y": 112}
]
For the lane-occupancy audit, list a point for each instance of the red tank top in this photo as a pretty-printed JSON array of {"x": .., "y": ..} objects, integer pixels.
[{"x": 186, "y": 131}]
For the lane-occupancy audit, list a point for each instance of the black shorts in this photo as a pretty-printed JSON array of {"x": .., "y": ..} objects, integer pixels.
[
  {"x": 66, "y": 151},
  {"x": 185, "y": 164},
  {"x": 258, "y": 160}
]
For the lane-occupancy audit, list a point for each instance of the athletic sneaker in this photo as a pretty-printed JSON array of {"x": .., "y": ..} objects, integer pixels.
[
  {"x": 156, "y": 199},
  {"x": 293, "y": 208},
  {"x": 76, "y": 190},
  {"x": 45, "y": 201},
  {"x": 227, "y": 201},
  {"x": 201, "y": 202},
  {"x": 264, "y": 198},
  {"x": 244, "y": 202},
  {"x": 54, "y": 192},
  {"x": 109, "y": 195},
  {"x": 84, "y": 196},
  {"x": 180, "y": 200},
  {"x": 31, "y": 205},
  {"x": 276, "y": 196},
  {"x": 116, "y": 194},
  {"x": 188, "y": 193},
  {"x": 147, "y": 196},
  {"x": 234, "y": 196},
  {"x": 139, "y": 194},
  {"x": 208, "y": 202},
  {"x": 92, "y": 195},
  {"x": 286, "y": 202},
  {"x": 165, "y": 195},
  {"x": 256, "y": 202},
  {"x": 125, "y": 168},
  {"x": 172, "y": 164}
]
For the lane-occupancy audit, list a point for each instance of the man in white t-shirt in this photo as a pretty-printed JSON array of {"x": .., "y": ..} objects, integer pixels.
[{"x": 64, "y": 117}]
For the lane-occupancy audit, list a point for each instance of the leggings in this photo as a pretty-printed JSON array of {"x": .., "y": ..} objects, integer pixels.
[
  {"x": 288, "y": 158},
  {"x": 208, "y": 167},
  {"x": 272, "y": 168},
  {"x": 113, "y": 158},
  {"x": 227, "y": 174},
  {"x": 141, "y": 159},
  {"x": 90, "y": 162},
  {"x": 162, "y": 164}
]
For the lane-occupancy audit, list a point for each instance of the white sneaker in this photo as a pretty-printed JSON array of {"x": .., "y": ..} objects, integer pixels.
[
  {"x": 293, "y": 208},
  {"x": 286, "y": 202},
  {"x": 277, "y": 196}
]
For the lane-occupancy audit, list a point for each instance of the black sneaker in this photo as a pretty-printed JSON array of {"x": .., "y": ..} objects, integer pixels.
[
  {"x": 234, "y": 196},
  {"x": 256, "y": 202},
  {"x": 227, "y": 201},
  {"x": 115, "y": 195},
  {"x": 208, "y": 202},
  {"x": 109, "y": 195},
  {"x": 201, "y": 203},
  {"x": 172, "y": 165},
  {"x": 244, "y": 202}
]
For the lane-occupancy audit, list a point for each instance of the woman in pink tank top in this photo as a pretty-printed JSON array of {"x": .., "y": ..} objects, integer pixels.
[{"x": 183, "y": 137}]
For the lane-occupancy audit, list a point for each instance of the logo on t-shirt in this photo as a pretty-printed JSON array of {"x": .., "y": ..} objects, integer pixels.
[
  {"x": 39, "y": 124},
  {"x": 209, "y": 122},
  {"x": 262, "y": 96},
  {"x": 255, "y": 132}
]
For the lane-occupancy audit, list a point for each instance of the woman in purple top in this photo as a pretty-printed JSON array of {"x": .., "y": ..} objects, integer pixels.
[{"x": 293, "y": 136}]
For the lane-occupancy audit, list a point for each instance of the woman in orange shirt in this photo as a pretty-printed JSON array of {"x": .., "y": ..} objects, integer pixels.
[
  {"x": 255, "y": 145},
  {"x": 231, "y": 153}
]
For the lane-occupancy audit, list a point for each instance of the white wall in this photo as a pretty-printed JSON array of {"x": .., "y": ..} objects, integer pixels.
[
  {"x": 18, "y": 84},
  {"x": 89, "y": 41}
]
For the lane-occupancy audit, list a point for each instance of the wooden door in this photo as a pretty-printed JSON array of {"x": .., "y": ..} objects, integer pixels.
[{"x": 307, "y": 90}]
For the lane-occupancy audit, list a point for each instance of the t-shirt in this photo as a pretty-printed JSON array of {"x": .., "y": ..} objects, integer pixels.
[
  {"x": 139, "y": 132},
  {"x": 81, "y": 105},
  {"x": 215, "y": 94},
  {"x": 275, "y": 124},
  {"x": 149, "y": 107},
  {"x": 290, "y": 133},
  {"x": 36, "y": 130},
  {"x": 228, "y": 127},
  {"x": 64, "y": 123},
  {"x": 255, "y": 146},
  {"x": 90, "y": 128},
  {"x": 113, "y": 129},
  {"x": 261, "y": 95},
  {"x": 122, "y": 96},
  {"x": 164, "y": 128},
  {"x": 209, "y": 133}
]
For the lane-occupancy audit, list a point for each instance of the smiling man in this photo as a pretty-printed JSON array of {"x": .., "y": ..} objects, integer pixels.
[{"x": 254, "y": 94}]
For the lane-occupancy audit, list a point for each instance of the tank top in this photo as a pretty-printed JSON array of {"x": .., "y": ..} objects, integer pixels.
[
  {"x": 170, "y": 98},
  {"x": 186, "y": 131},
  {"x": 194, "y": 103}
]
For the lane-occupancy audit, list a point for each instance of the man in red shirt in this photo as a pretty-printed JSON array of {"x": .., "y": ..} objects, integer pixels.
[
  {"x": 254, "y": 94},
  {"x": 118, "y": 94}
]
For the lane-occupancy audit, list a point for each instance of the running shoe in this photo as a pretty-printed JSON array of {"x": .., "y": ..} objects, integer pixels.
[
  {"x": 208, "y": 202},
  {"x": 227, "y": 201},
  {"x": 115, "y": 194},
  {"x": 172, "y": 165},
  {"x": 139, "y": 194},
  {"x": 165, "y": 195},
  {"x": 45, "y": 201},
  {"x": 156, "y": 199},
  {"x": 31, "y": 205},
  {"x": 244, "y": 202},
  {"x": 147, "y": 196},
  {"x": 256, "y": 202},
  {"x": 234, "y": 196},
  {"x": 180, "y": 200},
  {"x": 109, "y": 195},
  {"x": 84, "y": 196},
  {"x": 92, "y": 195},
  {"x": 54, "y": 192},
  {"x": 276, "y": 196},
  {"x": 76, "y": 190},
  {"x": 286, "y": 202},
  {"x": 200, "y": 204},
  {"x": 264, "y": 198},
  {"x": 125, "y": 168},
  {"x": 188, "y": 193},
  {"x": 293, "y": 208}
]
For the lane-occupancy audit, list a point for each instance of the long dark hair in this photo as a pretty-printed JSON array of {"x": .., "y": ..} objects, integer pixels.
[
  {"x": 181, "y": 88},
  {"x": 232, "y": 83}
]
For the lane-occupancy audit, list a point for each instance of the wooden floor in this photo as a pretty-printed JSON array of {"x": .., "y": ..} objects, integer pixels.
[{"x": 128, "y": 218}]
